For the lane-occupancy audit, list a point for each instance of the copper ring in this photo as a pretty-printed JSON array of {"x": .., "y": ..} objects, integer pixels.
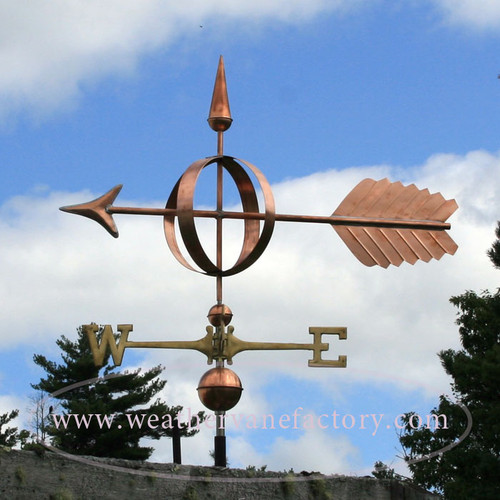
[{"x": 181, "y": 200}]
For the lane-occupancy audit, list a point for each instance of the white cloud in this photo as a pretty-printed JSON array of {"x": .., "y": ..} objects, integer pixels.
[
  {"x": 312, "y": 451},
  {"x": 9, "y": 403},
  {"x": 49, "y": 50},
  {"x": 483, "y": 14}
]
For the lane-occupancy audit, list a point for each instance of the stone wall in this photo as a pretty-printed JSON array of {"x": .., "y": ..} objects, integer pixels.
[{"x": 47, "y": 475}]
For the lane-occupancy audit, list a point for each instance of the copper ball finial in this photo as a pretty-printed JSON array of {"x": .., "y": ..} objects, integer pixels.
[
  {"x": 219, "y": 117},
  {"x": 220, "y": 389},
  {"x": 220, "y": 314}
]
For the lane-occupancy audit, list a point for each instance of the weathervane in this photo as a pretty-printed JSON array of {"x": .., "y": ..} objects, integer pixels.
[{"x": 382, "y": 223}]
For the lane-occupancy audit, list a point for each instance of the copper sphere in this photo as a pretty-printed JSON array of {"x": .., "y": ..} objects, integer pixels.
[
  {"x": 220, "y": 123},
  {"x": 219, "y": 389},
  {"x": 220, "y": 312}
]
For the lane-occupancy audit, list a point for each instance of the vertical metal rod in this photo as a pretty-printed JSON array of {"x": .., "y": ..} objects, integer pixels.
[
  {"x": 220, "y": 143},
  {"x": 220, "y": 451},
  {"x": 176, "y": 444},
  {"x": 221, "y": 423},
  {"x": 220, "y": 186},
  {"x": 220, "y": 431}
]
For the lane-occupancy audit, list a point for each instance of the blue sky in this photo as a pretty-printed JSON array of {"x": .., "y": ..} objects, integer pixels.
[{"x": 323, "y": 94}]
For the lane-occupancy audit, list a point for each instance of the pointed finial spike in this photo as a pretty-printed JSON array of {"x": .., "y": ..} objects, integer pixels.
[{"x": 219, "y": 118}]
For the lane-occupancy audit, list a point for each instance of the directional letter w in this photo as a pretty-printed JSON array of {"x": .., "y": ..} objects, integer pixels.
[{"x": 99, "y": 349}]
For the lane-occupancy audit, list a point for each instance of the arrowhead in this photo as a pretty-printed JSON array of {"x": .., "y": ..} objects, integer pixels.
[
  {"x": 219, "y": 118},
  {"x": 96, "y": 210}
]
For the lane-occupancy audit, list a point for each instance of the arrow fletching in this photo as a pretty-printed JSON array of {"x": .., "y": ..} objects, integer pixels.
[
  {"x": 385, "y": 245},
  {"x": 96, "y": 210}
]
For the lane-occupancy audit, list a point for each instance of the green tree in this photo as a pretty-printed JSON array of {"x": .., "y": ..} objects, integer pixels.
[
  {"x": 382, "y": 471},
  {"x": 124, "y": 399},
  {"x": 471, "y": 470},
  {"x": 8, "y": 436}
]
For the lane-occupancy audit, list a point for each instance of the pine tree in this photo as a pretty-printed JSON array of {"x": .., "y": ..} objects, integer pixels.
[
  {"x": 471, "y": 469},
  {"x": 9, "y": 435},
  {"x": 123, "y": 399}
]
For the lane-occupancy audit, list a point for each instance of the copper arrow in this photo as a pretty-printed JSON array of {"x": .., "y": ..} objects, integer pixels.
[{"x": 101, "y": 210}]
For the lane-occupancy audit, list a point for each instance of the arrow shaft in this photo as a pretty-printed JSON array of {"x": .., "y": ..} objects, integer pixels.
[
  {"x": 343, "y": 220},
  {"x": 335, "y": 220}
]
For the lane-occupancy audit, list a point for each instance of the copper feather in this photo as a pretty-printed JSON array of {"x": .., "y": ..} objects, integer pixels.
[{"x": 385, "y": 246}]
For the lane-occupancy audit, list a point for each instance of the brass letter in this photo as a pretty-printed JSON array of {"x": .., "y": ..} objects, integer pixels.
[
  {"x": 317, "y": 361},
  {"x": 99, "y": 349}
]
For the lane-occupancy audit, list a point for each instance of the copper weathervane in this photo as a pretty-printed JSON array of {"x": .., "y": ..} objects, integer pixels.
[{"x": 381, "y": 222}]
